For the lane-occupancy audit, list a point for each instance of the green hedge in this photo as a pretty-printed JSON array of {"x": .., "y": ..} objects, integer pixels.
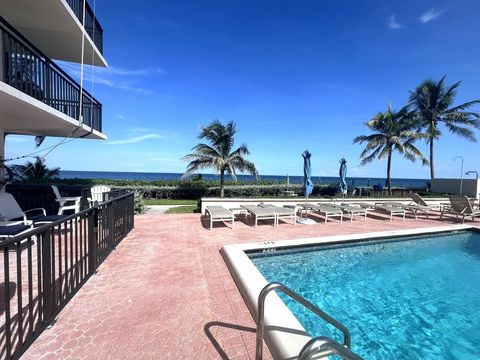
[{"x": 183, "y": 192}]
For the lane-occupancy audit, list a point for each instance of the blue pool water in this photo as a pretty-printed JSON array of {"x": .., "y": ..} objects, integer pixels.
[{"x": 413, "y": 298}]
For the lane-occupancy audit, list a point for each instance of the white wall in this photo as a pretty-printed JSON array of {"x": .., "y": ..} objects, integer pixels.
[{"x": 470, "y": 187}]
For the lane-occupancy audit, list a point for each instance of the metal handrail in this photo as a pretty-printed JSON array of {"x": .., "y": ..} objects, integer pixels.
[
  {"x": 322, "y": 344},
  {"x": 298, "y": 298}
]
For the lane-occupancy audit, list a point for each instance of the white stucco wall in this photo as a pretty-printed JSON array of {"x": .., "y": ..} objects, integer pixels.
[{"x": 470, "y": 187}]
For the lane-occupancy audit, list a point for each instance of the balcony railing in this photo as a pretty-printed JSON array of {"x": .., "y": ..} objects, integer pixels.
[
  {"x": 25, "y": 68},
  {"x": 43, "y": 269},
  {"x": 92, "y": 26}
]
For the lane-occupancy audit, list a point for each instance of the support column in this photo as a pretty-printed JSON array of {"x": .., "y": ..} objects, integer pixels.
[
  {"x": 1, "y": 56},
  {"x": 2, "y": 156}
]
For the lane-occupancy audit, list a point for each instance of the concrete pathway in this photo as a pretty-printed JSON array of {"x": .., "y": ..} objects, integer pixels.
[{"x": 159, "y": 209}]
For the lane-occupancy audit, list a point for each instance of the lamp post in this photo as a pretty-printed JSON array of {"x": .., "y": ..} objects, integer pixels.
[
  {"x": 461, "y": 172},
  {"x": 470, "y": 172}
]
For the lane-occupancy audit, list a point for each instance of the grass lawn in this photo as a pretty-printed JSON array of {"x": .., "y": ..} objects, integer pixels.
[
  {"x": 187, "y": 209},
  {"x": 169, "y": 202}
]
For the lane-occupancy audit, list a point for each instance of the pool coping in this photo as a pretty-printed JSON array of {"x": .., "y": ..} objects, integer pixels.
[{"x": 284, "y": 335}]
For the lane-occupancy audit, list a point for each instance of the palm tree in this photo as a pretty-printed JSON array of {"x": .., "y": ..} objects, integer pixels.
[
  {"x": 35, "y": 170},
  {"x": 433, "y": 102},
  {"x": 219, "y": 154},
  {"x": 392, "y": 131}
]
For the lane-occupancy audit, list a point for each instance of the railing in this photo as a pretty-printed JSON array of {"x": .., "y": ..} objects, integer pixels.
[
  {"x": 301, "y": 300},
  {"x": 44, "y": 268},
  {"x": 324, "y": 345},
  {"x": 92, "y": 26},
  {"x": 27, "y": 69}
]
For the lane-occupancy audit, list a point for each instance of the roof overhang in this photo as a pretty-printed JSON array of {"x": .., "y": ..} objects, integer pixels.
[
  {"x": 53, "y": 27},
  {"x": 22, "y": 114}
]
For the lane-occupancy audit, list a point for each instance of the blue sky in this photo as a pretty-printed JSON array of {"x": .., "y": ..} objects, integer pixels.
[{"x": 292, "y": 75}]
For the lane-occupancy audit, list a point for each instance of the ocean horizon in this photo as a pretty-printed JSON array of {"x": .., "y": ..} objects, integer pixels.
[{"x": 151, "y": 176}]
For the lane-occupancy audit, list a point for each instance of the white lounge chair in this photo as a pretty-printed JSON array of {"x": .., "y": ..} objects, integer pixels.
[
  {"x": 11, "y": 212},
  {"x": 98, "y": 192},
  {"x": 66, "y": 203},
  {"x": 413, "y": 208},
  {"x": 281, "y": 212},
  {"x": 325, "y": 210},
  {"x": 390, "y": 210},
  {"x": 260, "y": 213},
  {"x": 219, "y": 213},
  {"x": 351, "y": 210},
  {"x": 461, "y": 205}
]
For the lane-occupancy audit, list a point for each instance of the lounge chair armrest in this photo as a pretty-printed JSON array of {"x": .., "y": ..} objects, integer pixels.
[{"x": 38, "y": 210}]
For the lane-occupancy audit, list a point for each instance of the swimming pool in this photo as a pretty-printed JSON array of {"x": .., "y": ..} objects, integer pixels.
[{"x": 413, "y": 297}]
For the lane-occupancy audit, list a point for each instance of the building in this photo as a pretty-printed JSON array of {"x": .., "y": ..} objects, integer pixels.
[{"x": 37, "y": 97}]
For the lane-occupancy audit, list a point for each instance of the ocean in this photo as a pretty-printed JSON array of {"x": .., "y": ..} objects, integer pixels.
[{"x": 351, "y": 181}]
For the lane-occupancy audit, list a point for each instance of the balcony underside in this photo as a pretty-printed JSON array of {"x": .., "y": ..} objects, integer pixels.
[
  {"x": 52, "y": 26},
  {"x": 22, "y": 114}
]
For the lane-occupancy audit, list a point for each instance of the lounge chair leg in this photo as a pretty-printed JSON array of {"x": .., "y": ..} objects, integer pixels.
[{"x": 211, "y": 223}]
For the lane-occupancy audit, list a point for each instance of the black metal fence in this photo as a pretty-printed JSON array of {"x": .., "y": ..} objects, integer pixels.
[
  {"x": 44, "y": 268},
  {"x": 27, "y": 69},
  {"x": 92, "y": 26}
]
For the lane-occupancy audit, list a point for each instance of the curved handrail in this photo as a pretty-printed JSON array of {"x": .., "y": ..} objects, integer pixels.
[
  {"x": 298, "y": 298},
  {"x": 325, "y": 344}
]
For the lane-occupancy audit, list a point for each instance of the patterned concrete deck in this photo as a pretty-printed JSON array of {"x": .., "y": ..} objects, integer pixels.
[{"x": 165, "y": 293}]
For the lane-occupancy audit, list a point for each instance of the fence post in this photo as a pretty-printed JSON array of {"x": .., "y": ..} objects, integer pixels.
[
  {"x": 92, "y": 240},
  {"x": 48, "y": 288}
]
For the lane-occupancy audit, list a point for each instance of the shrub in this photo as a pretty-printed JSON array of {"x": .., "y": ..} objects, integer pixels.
[{"x": 138, "y": 203}]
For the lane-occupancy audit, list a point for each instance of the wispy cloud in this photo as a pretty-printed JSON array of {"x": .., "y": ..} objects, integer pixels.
[
  {"x": 119, "y": 117},
  {"x": 114, "y": 77},
  {"x": 430, "y": 15},
  {"x": 136, "y": 139},
  {"x": 165, "y": 160},
  {"x": 393, "y": 23}
]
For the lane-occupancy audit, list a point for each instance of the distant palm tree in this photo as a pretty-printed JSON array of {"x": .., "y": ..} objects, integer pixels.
[
  {"x": 35, "y": 170},
  {"x": 432, "y": 102},
  {"x": 392, "y": 131},
  {"x": 219, "y": 154}
]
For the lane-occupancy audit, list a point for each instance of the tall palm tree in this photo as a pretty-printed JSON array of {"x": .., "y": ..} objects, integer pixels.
[
  {"x": 433, "y": 104},
  {"x": 219, "y": 154},
  {"x": 392, "y": 131},
  {"x": 35, "y": 170}
]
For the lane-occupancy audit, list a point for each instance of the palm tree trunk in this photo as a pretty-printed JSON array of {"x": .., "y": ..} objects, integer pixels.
[
  {"x": 389, "y": 165},
  {"x": 222, "y": 183},
  {"x": 432, "y": 170}
]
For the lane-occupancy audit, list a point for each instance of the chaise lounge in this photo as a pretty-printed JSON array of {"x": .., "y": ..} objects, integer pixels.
[
  {"x": 325, "y": 210},
  {"x": 260, "y": 213},
  {"x": 219, "y": 213},
  {"x": 11, "y": 211},
  {"x": 281, "y": 212},
  {"x": 461, "y": 205},
  {"x": 351, "y": 211}
]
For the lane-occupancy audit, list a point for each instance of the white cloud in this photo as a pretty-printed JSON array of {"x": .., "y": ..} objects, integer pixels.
[
  {"x": 430, "y": 15},
  {"x": 114, "y": 77},
  {"x": 136, "y": 139},
  {"x": 119, "y": 117},
  {"x": 166, "y": 160},
  {"x": 393, "y": 24}
]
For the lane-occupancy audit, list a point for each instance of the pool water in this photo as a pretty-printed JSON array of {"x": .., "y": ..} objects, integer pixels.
[{"x": 412, "y": 298}]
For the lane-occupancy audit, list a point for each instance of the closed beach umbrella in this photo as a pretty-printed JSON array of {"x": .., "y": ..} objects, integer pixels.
[
  {"x": 307, "y": 173},
  {"x": 343, "y": 176},
  {"x": 307, "y": 185}
]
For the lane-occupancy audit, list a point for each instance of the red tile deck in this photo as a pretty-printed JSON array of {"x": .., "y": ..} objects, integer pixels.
[{"x": 165, "y": 292}]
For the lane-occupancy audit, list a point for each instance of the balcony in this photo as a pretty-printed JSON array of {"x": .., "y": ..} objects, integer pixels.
[
  {"x": 26, "y": 69},
  {"x": 55, "y": 27},
  {"x": 92, "y": 26}
]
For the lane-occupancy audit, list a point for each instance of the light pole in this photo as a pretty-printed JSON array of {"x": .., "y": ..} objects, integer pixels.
[
  {"x": 470, "y": 172},
  {"x": 461, "y": 172}
]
